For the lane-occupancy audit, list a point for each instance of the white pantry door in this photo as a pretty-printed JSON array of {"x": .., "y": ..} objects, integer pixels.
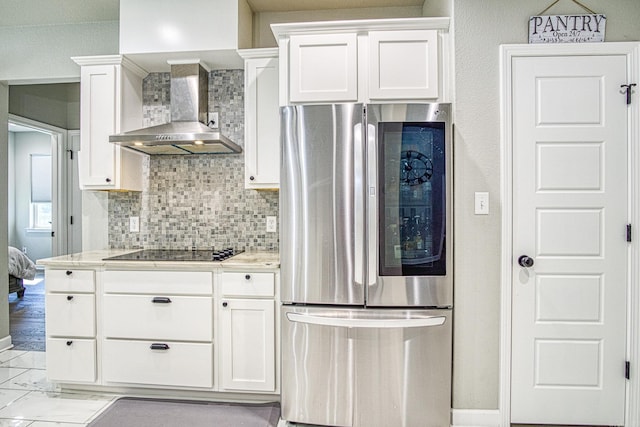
[{"x": 569, "y": 215}]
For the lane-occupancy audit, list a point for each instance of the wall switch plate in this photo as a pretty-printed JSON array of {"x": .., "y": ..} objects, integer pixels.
[
  {"x": 272, "y": 224},
  {"x": 134, "y": 224},
  {"x": 481, "y": 203}
]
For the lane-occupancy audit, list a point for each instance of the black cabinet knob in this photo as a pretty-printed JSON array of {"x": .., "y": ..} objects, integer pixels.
[
  {"x": 69, "y": 342},
  {"x": 252, "y": 178},
  {"x": 247, "y": 277},
  {"x": 224, "y": 304},
  {"x": 69, "y": 272},
  {"x": 525, "y": 261},
  {"x": 69, "y": 297},
  {"x": 108, "y": 180}
]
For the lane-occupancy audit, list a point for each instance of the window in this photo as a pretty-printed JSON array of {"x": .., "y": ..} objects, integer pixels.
[{"x": 40, "y": 216}]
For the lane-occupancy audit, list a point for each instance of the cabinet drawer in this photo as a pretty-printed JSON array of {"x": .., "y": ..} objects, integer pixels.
[
  {"x": 70, "y": 315},
  {"x": 184, "y": 318},
  {"x": 135, "y": 362},
  {"x": 71, "y": 360},
  {"x": 248, "y": 284},
  {"x": 70, "y": 280},
  {"x": 158, "y": 282}
]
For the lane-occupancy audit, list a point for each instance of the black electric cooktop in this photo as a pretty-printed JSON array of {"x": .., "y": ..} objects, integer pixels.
[{"x": 176, "y": 255}]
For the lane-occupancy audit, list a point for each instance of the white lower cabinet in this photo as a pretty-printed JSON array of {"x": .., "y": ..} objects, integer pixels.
[
  {"x": 158, "y": 330},
  {"x": 247, "y": 343},
  {"x": 247, "y": 332},
  {"x": 158, "y": 362},
  {"x": 70, "y": 318},
  {"x": 164, "y": 329}
]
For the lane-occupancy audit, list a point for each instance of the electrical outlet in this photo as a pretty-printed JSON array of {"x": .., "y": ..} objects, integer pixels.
[
  {"x": 272, "y": 224},
  {"x": 134, "y": 224}
]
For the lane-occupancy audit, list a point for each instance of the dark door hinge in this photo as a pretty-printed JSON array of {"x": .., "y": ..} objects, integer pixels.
[
  {"x": 628, "y": 232},
  {"x": 71, "y": 220},
  {"x": 628, "y": 91},
  {"x": 70, "y": 154},
  {"x": 53, "y": 234},
  {"x": 627, "y": 369}
]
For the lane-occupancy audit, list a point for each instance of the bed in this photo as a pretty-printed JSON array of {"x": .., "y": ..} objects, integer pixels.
[{"x": 20, "y": 268}]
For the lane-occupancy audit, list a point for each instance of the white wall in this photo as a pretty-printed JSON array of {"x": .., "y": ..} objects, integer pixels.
[
  {"x": 263, "y": 37},
  {"x": 54, "y": 104},
  {"x": 36, "y": 54},
  {"x": 38, "y": 244},
  {"x": 480, "y": 27}
]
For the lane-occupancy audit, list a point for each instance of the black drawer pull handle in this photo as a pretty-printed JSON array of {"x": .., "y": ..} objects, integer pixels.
[
  {"x": 69, "y": 272},
  {"x": 69, "y": 297},
  {"x": 224, "y": 304},
  {"x": 157, "y": 346},
  {"x": 161, "y": 300},
  {"x": 247, "y": 277},
  {"x": 69, "y": 342}
]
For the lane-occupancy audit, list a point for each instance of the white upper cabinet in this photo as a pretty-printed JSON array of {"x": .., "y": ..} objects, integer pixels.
[
  {"x": 403, "y": 64},
  {"x": 323, "y": 67},
  {"x": 385, "y": 60},
  {"x": 110, "y": 103},
  {"x": 262, "y": 119}
]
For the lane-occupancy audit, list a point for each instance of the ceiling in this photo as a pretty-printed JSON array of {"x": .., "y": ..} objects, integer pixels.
[{"x": 47, "y": 12}]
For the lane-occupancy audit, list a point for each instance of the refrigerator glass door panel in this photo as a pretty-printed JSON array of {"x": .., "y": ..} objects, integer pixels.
[
  {"x": 410, "y": 260},
  {"x": 322, "y": 204},
  {"x": 393, "y": 366}
]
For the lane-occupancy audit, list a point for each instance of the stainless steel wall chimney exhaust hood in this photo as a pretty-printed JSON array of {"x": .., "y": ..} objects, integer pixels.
[{"x": 187, "y": 133}]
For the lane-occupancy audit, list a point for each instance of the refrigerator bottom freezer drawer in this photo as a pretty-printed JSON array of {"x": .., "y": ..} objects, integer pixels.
[{"x": 366, "y": 368}]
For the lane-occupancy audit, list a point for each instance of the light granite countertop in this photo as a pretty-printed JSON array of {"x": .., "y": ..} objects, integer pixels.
[{"x": 93, "y": 259}]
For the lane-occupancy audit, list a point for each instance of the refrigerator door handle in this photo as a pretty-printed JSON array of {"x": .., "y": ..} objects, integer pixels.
[
  {"x": 377, "y": 323},
  {"x": 358, "y": 205},
  {"x": 372, "y": 206}
]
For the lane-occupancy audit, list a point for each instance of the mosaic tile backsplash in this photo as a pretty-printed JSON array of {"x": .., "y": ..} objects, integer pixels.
[{"x": 195, "y": 200}]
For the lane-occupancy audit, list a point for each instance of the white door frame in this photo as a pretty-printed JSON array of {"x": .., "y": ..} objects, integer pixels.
[
  {"x": 507, "y": 53},
  {"x": 58, "y": 179}
]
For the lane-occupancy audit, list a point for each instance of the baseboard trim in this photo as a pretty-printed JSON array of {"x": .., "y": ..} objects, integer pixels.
[
  {"x": 475, "y": 418},
  {"x": 5, "y": 343}
]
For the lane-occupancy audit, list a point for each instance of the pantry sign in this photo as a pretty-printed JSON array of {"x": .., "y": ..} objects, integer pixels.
[{"x": 567, "y": 28}]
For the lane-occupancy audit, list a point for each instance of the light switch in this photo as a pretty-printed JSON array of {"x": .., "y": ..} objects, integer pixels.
[{"x": 482, "y": 203}]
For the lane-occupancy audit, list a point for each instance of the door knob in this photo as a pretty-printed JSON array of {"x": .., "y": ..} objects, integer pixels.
[{"x": 525, "y": 261}]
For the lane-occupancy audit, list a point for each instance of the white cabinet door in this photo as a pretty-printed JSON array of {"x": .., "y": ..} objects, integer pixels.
[
  {"x": 97, "y": 121},
  {"x": 110, "y": 102},
  {"x": 247, "y": 344},
  {"x": 403, "y": 64},
  {"x": 71, "y": 360},
  {"x": 70, "y": 315},
  {"x": 323, "y": 67},
  {"x": 262, "y": 124},
  {"x": 570, "y": 210}
]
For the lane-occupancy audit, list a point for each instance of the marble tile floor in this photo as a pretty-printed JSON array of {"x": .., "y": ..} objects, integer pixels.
[{"x": 28, "y": 399}]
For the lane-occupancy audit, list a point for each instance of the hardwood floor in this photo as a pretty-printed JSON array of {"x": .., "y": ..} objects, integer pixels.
[{"x": 26, "y": 317}]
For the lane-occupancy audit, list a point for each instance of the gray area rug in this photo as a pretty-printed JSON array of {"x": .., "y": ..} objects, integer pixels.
[{"x": 138, "y": 412}]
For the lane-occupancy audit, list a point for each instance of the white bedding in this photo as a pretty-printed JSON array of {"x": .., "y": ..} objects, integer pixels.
[{"x": 20, "y": 265}]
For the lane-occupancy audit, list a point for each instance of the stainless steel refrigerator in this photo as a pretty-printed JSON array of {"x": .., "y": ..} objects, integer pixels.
[{"x": 366, "y": 264}]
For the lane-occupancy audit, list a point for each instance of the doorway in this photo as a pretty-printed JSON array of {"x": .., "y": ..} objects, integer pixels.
[{"x": 44, "y": 215}]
